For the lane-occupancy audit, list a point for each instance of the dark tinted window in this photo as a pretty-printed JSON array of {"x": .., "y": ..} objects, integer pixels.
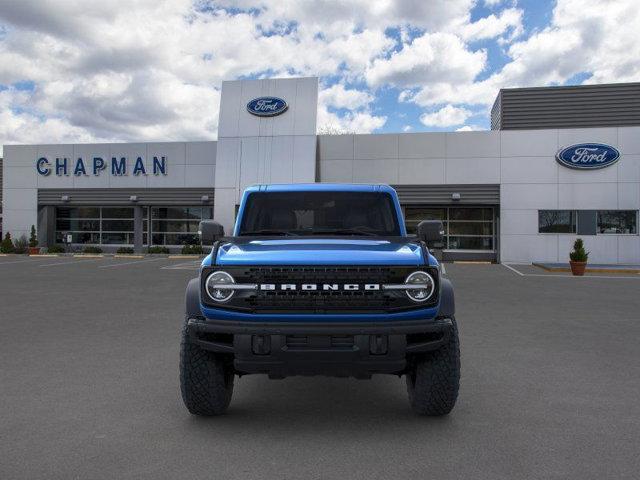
[
  {"x": 617, "y": 221},
  {"x": 310, "y": 213},
  {"x": 556, "y": 221}
]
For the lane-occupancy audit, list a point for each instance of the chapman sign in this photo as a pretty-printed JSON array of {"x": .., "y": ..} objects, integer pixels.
[
  {"x": 588, "y": 156},
  {"x": 96, "y": 165},
  {"x": 267, "y": 106}
]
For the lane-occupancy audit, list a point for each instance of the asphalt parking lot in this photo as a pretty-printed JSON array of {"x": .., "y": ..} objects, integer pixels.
[{"x": 89, "y": 385}]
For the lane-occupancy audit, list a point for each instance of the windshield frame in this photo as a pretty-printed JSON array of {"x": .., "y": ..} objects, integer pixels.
[{"x": 396, "y": 211}]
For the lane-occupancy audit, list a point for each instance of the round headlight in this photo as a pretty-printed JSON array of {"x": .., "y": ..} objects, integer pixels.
[
  {"x": 421, "y": 286},
  {"x": 215, "y": 286}
]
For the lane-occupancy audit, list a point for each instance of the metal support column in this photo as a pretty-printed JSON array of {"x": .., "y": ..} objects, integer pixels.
[
  {"x": 138, "y": 225},
  {"x": 46, "y": 228}
]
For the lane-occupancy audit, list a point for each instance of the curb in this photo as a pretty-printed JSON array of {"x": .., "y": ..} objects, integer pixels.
[{"x": 589, "y": 270}]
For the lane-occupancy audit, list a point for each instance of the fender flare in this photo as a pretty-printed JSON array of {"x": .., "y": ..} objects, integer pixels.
[
  {"x": 192, "y": 299},
  {"x": 447, "y": 299}
]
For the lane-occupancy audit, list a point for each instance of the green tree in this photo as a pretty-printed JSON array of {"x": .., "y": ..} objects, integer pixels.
[
  {"x": 33, "y": 239},
  {"x": 7, "y": 244}
]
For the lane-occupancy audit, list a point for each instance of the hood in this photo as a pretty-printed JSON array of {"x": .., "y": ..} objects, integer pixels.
[{"x": 319, "y": 251}]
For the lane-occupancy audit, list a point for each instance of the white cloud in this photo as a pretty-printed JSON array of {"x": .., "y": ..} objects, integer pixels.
[
  {"x": 351, "y": 122},
  {"x": 447, "y": 116},
  {"x": 358, "y": 118},
  {"x": 509, "y": 20},
  {"x": 407, "y": 128},
  {"x": 338, "y": 96},
  {"x": 469, "y": 128},
  {"x": 433, "y": 57}
]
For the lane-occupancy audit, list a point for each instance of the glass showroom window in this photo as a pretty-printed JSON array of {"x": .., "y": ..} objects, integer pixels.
[
  {"x": 466, "y": 228},
  {"x": 556, "y": 221},
  {"x": 177, "y": 225},
  {"x": 618, "y": 221},
  {"x": 414, "y": 215},
  {"x": 95, "y": 225},
  {"x": 117, "y": 226},
  {"x": 82, "y": 223},
  {"x": 470, "y": 229}
]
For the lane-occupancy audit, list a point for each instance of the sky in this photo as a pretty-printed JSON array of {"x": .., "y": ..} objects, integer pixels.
[{"x": 77, "y": 71}]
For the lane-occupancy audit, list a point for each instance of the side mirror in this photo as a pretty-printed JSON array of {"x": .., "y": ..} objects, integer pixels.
[
  {"x": 210, "y": 232},
  {"x": 431, "y": 231}
]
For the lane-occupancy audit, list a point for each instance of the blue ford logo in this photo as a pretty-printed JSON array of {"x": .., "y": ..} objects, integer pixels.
[
  {"x": 588, "y": 156},
  {"x": 267, "y": 106}
]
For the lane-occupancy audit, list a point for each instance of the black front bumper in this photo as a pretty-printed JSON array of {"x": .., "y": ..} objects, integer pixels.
[{"x": 334, "y": 349}]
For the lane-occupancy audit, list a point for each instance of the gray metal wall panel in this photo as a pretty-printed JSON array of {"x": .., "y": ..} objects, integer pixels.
[
  {"x": 442, "y": 194},
  {"x": 120, "y": 196},
  {"x": 567, "y": 107}
]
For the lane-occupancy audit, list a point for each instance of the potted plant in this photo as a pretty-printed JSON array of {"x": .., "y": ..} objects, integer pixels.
[
  {"x": 33, "y": 242},
  {"x": 7, "y": 244},
  {"x": 578, "y": 258}
]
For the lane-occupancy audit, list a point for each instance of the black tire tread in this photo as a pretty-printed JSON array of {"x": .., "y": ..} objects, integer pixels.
[
  {"x": 206, "y": 383},
  {"x": 434, "y": 383}
]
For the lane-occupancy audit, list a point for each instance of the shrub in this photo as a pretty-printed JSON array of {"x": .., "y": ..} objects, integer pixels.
[
  {"x": 92, "y": 249},
  {"x": 7, "y": 244},
  {"x": 579, "y": 254},
  {"x": 158, "y": 249},
  {"x": 55, "y": 249},
  {"x": 192, "y": 249},
  {"x": 21, "y": 245},
  {"x": 33, "y": 238},
  {"x": 125, "y": 250}
]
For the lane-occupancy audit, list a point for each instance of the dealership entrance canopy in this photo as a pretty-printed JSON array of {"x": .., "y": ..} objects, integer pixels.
[{"x": 560, "y": 162}]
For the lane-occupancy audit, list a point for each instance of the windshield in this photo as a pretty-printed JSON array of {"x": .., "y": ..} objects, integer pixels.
[{"x": 316, "y": 213}]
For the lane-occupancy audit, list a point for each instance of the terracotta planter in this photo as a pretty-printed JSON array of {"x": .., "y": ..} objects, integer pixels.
[
  {"x": 578, "y": 268},
  {"x": 34, "y": 250}
]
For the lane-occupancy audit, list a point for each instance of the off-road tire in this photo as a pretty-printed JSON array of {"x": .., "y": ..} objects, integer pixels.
[
  {"x": 434, "y": 379},
  {"x": 206, "y": 381}
]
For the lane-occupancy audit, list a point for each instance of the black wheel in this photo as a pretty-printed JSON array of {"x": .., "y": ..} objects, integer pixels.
[
  {"x": 433, "y": 382},
  {"x": 206, "y": 381}
]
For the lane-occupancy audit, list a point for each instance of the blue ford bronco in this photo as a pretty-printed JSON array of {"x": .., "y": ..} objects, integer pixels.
[{"x": 320, "y": 279}]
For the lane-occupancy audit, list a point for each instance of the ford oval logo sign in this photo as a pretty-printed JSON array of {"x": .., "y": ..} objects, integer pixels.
[
  {"x": 267, "y": 106},
  {"x": 588, "y": 156}
]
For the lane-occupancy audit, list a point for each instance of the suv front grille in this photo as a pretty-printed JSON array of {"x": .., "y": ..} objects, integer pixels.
[{"x": 319, "y": 300}]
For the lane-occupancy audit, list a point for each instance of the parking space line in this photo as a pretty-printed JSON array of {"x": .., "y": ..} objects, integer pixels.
[
  {"x": 31, "y": 259},
  {"x": 513, "y": 269},
  {"x": 130, "y": 263},
  {"x": 182, "y": 266},
  {"x": 71, "y": 262}
]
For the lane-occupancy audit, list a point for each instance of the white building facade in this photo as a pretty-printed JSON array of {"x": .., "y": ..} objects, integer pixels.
[{"x": 502, "y": 194}]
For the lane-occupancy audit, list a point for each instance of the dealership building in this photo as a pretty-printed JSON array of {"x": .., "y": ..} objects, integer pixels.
[{"x": 559, "y": 162}]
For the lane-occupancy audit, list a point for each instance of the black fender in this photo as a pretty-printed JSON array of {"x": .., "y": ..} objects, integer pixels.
[
  {"x": 192, "y": 299},
  {"x": 447, "y": 300}
]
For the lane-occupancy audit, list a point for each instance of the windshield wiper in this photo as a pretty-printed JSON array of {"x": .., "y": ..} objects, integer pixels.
[
  {"x": 347, "y": 231},
  {"x": 267, "y": 231}
]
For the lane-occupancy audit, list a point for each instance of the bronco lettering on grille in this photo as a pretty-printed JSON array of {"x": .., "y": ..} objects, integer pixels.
[{"x": 326, "y": 287}]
